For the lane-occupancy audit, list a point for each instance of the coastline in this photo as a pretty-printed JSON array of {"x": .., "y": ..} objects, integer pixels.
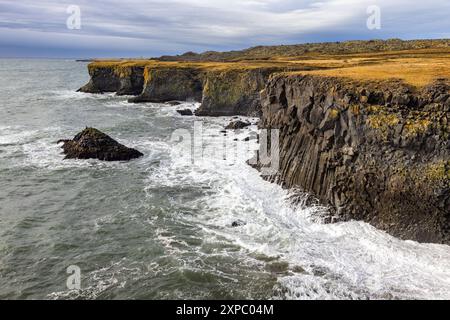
[
  {"x": 147, "y": 228},
  {"x": 332, "y": 127}
]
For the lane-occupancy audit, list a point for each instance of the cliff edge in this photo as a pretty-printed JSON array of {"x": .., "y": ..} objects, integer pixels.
[{"x": 373, "y": 151}]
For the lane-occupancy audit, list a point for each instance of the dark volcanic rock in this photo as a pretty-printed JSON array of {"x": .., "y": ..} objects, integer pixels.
[
  {"x": 94, "y": 144},
  {"x": 372, "y": 151},
  {"x": 235, "y": 125},
  {"x": 122, "y": 80},
  {"x": 238, "y": 223},
  {"x": 234, "y": 92},
  {"x": 185, "y": 112},
  {"x": 227, "y": 92},
  {"x": 171, "y": 84},
  {"x": 173, "y": 103}
]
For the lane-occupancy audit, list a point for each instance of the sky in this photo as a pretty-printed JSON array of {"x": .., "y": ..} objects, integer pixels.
[{"x": 150, "y": 28}]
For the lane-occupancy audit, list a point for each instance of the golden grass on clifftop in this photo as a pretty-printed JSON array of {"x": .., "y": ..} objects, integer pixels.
[
  {"x": 206, "y": 66},
  {"x": 415, "y": 67}
]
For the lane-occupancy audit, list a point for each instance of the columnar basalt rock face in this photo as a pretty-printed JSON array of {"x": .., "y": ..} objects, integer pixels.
[
  {"x": 377, "y": 152},
  {"x": 123, "y": 80},
  {"x": 170, "y": 83}
]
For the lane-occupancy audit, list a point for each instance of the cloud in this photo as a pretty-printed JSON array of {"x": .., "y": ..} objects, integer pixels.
[{"x": 156, "y": 27}]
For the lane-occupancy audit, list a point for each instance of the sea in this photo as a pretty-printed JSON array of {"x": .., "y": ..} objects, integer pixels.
[{"x": 161, "y": 226}]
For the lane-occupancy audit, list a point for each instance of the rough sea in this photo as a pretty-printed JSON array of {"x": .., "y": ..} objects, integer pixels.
[{"x": 159, "y": 227}]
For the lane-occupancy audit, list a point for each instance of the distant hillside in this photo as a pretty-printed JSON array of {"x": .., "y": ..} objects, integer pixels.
[{"x": 332, "y": 48}]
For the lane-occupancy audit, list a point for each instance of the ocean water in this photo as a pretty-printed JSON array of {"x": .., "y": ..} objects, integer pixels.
[{"x": 159, "y": 227}]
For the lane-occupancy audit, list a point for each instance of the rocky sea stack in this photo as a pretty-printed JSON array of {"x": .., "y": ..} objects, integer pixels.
[{"x": 94, "y": 144}]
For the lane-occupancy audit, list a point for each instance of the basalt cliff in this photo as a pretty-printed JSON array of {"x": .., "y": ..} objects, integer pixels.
[
  {"x": 363, "y": 126},
  {"x": 377, "y": 152},
  {"x": 224, "y": 89}
]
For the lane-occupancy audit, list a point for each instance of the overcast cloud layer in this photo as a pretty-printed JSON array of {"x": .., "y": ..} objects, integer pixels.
[{"x": 134, "y": 28}]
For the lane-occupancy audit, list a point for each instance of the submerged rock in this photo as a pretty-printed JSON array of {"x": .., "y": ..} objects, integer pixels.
[
  {"x": 185, "y": 112},
  {"x": 238, "y": 223},
  {"x": 234, "y": 125},
  {"x": 173, "y": 103},
  {"x": 277, "y": 267},
  {"x": 94, "y": 144}
]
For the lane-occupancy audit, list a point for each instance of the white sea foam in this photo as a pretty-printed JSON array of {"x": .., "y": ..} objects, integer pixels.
[
  {"x": 66, "y": 95},
  {"x": 16, "y": 135},
  {"x": 22, "y": 147},
  {"x": 101, "y": 280},
  {"x": 344, "y": 260}
]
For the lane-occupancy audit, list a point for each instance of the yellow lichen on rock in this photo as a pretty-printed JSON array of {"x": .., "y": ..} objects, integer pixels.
[
  {"x": 382, "y": 121},
  {"x": 334, "y": 113},
  {"x": 438, "y": 171},
  {"x": 414, "y": 127},
  {"x": 355, "y": 109}
]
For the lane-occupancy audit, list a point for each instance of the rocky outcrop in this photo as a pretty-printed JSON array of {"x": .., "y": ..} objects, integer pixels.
[
  {"x": 238, "y": 223},
  {"x": 173, "y": 103},
  {"x": 223, "y": 90},
  {"x": 235, "y": 125},
  {"x": 377, "y": 152},
  {"x": 94, "y": 144},
  {"x": 185, "y": 112},
  {"x": 131, "y": 81},
  {"x": 163, "y": 84},
  {"x": 124, "y": 80},
  {"x": 233, "y": 92}
]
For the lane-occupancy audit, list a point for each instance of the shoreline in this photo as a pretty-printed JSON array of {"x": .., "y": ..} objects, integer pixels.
[{"x": 372, "y": 149}]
